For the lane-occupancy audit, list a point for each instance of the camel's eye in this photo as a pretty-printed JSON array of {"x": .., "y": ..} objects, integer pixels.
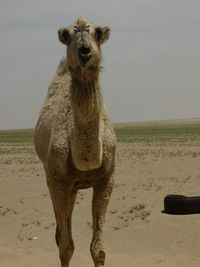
[
  {"x": 87, "y": 28},
  {"x": 77, "y": 29}
]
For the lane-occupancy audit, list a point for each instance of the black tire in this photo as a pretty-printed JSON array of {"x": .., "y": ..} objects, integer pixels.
[{"x": 178, "y": 204}]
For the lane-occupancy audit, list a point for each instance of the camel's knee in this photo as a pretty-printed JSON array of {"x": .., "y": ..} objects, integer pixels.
[
  {"x": 98, "y": 253},
  {"x": 66, "y": 247}
]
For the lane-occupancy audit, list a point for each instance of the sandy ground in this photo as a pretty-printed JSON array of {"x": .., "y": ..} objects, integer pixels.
[{"x": 137, "y": 233}]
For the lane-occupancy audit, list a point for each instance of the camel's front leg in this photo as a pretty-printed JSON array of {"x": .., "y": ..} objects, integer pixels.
[
  {"x": 101, "y": 196},
  {"x": 63, "y": 198}
]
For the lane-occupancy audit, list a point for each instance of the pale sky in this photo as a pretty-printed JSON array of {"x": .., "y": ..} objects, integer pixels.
[{"x": 151, "y": 62}]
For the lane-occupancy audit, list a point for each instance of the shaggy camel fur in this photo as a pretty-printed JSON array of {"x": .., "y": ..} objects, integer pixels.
[{"x": 74, "y": 138}]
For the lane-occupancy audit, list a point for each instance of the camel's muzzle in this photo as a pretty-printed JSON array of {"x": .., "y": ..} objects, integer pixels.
[{"x": 84, "y": 55}]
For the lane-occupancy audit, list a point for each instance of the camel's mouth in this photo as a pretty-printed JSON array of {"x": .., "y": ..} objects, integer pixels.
[{"x": 84, "y": 55}]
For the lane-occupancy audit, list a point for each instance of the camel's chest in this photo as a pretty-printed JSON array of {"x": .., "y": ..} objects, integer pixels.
[{"x": 62, "y": 164}]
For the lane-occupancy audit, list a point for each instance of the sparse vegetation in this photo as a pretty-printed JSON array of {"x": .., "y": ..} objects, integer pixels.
[
  {"x": 17, "y": 136},
  {"x": 159, "y": 161},
  {"x": 157, "y": 132},
  {"x": 126, "y": 133}
]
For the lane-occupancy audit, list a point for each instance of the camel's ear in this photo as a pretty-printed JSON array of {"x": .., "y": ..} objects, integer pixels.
[
  {"x": 64, "y": 36},
  {"x": 102, "y": 34}
]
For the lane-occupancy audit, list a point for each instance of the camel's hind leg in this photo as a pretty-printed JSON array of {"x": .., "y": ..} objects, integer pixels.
[
  {"x": 63, "y": 198},
  {"x": 101, "y": 196}
]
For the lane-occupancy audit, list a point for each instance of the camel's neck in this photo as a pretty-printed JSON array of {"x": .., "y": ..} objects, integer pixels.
[
  {"x": 87, "y": 105},
  {"x": 86, "y": 100}
]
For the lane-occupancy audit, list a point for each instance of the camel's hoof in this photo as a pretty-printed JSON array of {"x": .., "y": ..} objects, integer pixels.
[{"x": 101, "y": 257}]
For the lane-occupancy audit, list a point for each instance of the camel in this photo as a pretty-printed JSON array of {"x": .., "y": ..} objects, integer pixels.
[{"x": 74, "y": 137}]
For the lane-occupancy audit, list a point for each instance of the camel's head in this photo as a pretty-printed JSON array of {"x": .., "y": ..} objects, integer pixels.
[{"x": 83, "y": 41}]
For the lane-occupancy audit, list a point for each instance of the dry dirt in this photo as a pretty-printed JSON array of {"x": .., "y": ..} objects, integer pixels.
[{"x": 137, "y": 233}]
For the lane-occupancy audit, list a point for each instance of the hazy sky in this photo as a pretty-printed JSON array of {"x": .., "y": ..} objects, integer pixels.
[{"x": 151, "y": 62}]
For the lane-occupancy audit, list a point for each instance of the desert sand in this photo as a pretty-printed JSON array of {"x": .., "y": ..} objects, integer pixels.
[{"x": 137, "y": 233}]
